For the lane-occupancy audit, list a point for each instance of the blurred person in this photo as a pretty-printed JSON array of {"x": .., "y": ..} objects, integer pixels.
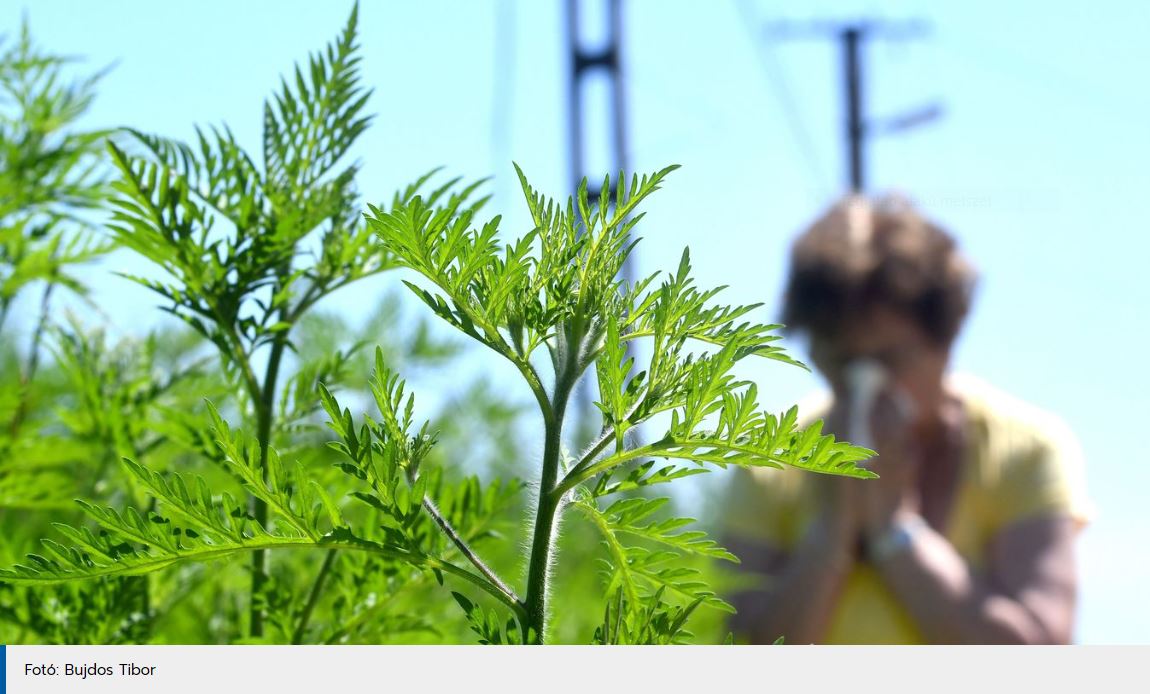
[{"x": 968, "y": 534}]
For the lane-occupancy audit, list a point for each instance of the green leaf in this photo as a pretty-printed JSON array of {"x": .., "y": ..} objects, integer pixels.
[{"x": 642, "y": 571}]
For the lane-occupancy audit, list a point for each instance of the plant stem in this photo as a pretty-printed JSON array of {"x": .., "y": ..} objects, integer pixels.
[
  {"x": 542, "y": 541},
  {"x": 4, "y": 306},
  {"x": 465, "y": 549},
  {"x": 265, "y": 413},
  {"x": 33, "y": 362},
  {"x": 539, "y": 566},
  {"x": 313, "y": 598}
]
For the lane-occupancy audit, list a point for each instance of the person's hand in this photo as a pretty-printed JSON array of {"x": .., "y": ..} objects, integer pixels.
[
  {"x": 868, "y": 507},
  {"x": 880, "y": 501}
]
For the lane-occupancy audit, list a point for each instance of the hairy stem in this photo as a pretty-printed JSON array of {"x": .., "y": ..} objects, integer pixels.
[
  {"x": 466, "y": 550},
  {"x": 584, "y": 473},
  {"x": 599, "y": 445},
  {"x": 542, "y": 541},
  {"x": 539, "y": 566}
]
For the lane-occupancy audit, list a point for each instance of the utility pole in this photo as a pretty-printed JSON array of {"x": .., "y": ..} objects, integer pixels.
[
  {"x": 852, "y": 87},
  {"x": 585, "y": 61},
  {"x": 852, "y": 36}
]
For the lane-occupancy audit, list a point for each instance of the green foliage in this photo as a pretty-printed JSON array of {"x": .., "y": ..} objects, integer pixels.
[
  {"x": 654, "y": 622},
  {"x": 50, "y": 172},
  {"x": 558, "y": 287},
  {"x": 642, "y": 571},
  {"x": 110, "y": 612},
  {"x": 93, "y": 402},
  {"x": 52, "y": 175},
  {"x": 235, "y": 239},
  {"x": 490, "y": 628},
  {"x": 231, "y": 233},
  {"x": 107, "y": 403},
  {"x": 366, "y": 528},
  {"x": 386, "y": 458},
  {"x": 249, "y": 250}
]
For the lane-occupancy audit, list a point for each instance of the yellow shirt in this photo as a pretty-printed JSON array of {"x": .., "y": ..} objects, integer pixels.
[{"x": 1020, "y": 462}]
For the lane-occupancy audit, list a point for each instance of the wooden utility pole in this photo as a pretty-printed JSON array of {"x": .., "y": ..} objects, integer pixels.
[{"x": 852, "y": 36}]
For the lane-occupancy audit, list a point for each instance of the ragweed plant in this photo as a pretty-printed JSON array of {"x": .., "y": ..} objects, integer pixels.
[
  {"x": 111, "y": 403},
  {"x": 249, "y": 245},
  {"x": 51, "y": 172},
  {"x": 246, "y": 251},
  {"x": 52, "y": 175},
  {"x": 550, "y": 303},
  {"x": 231, "y": 235}
]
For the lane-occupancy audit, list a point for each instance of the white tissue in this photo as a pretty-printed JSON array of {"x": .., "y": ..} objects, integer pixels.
[{"x": 865, "y": 379}]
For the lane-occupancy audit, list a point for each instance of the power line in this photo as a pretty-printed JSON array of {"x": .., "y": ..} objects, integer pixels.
[
  {"x": 851, "y": 36},
  {"x": 777, "y": 79},
  {"x": 606, "y": 60}
]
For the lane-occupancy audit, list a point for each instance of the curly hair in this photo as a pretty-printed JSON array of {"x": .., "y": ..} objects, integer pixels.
[{"x": 862, "y": 253}]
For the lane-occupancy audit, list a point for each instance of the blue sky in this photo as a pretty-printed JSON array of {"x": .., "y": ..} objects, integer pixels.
[{"x": 1038, "y": 165}]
